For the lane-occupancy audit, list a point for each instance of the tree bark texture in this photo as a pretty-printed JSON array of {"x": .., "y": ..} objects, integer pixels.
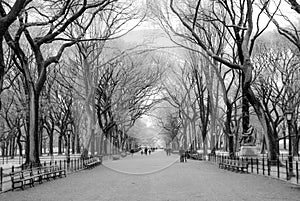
[{"x": 33, "y": 128}]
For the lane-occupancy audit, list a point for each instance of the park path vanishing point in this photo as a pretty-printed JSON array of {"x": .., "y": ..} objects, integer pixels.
[{"x": 158, "y": 178}]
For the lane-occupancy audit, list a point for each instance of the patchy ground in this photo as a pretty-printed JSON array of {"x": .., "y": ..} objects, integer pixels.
[{"x": 158, "y": 178}]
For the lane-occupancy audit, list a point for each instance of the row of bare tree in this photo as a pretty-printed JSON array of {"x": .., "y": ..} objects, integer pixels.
[
  {"x": 64, "y": 80},
  {"x": 235, "y": 68}
]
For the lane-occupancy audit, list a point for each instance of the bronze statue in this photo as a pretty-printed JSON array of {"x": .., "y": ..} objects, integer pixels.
[{"x": 248, "y": 138}]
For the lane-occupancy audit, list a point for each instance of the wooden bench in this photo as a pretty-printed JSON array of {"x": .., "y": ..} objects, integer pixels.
[
  {"x": 53, "y": 171},
  {"x": 92, "y": 162},
  {"x": 59, "y": 172},
  {"x": 234, "y": 165},
  {"x": 28, "y": 177},
  {"x": 21, "y": 178},
  {"x": 196, "y": 156}
]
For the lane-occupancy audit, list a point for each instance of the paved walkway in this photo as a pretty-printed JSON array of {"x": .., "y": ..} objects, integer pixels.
[{"x": 158, "y": 178}]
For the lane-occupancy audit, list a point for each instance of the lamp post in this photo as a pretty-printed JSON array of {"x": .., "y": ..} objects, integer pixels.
[
  {"x": 284, "y": 135},
  {"x": 297, "y": 134},
  {"x": 289, "y": 117}
]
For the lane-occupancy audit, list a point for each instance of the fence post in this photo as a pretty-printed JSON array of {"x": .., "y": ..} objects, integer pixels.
[{"x": 278, "y": 169}]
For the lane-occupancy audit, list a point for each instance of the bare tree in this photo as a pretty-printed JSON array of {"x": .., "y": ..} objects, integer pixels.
[
  {"x": 238, "y": 19},
  {"x": 9, "y": 11},
  {"x": 126, "y": 90},
  {"x": 171, "y": 126},
  {"x": 60, "y": 24},
  {"x": 277, "y": 85}
]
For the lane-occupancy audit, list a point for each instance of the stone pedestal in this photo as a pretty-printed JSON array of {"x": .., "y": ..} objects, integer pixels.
[{"x": 248, "y": 151}]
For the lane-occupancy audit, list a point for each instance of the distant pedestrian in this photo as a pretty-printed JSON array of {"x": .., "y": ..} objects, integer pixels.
[
  {"x": 185, "y": 156},
  {"x": 169, "y": 151},
  {"x": 181, "y": 155},
  {"x": 146, "y": 150},
  {"x": 132, "y": 152}
]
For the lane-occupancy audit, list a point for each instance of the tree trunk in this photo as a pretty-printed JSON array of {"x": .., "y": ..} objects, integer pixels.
[
  {"x": 228, "y": 132},
  {"x": 40, "y": 133},
  {"x": 92, "y": 142},
  {"x": 51, "y": 144},
  {"x": 245, "y": 108},
  {"x": 12, "y": 147},
  {"x": 59, "y": 145},
  {"x": 19, "y": 142},
  {"x": 204, "y": 145},
  {"x": 2, "y": 68},
  {"x": 105, "y": 145},
  {"x": 3, "y": 148},
  {"x": 77, "y": 144},
  {"x": 33, "y": 128},
  {"x": 73, "y": 143},
  {"x": 68, "y": 144},
  {"x": 296, "y": 140},
  {"x": 262, "y": 151}
]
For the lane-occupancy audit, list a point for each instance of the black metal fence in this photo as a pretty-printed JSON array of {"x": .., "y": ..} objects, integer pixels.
[
  {"x": 72, "y": 165},
  {"x": 263, "y": 166}
]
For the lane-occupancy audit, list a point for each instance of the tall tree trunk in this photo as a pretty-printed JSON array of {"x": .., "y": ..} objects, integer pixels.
[
  {"x": 40, "y": 134},
  {"x": 2, "y": 68},
  {"x": 51, "y": 143},
  {"x": 13, "y": 142},
  {"x": 3, "y": 148},
  {"x": 245, "y": 107},
  {"x": 296, "y": 140},
  {"x": 228, "y": 131},
  {"x": 19, "y": 142},
  {"x": 73, "y": 143},
  {"x": 33, "y": 128},
  {"x": 92, "y": 141},
  {"x": 68, "y": 147},
  {"x": 77, "y": 143},
  {"x": 60, "y": 144}
]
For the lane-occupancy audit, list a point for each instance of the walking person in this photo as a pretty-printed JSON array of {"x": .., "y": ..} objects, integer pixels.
[
  {"x": 132, "y": 152},
  {"x": 185, "y": 156},
  {"x": 181, "y": 155}
]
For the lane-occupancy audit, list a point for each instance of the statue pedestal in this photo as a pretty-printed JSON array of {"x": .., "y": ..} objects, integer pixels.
[{"x": 248, "y": 151}]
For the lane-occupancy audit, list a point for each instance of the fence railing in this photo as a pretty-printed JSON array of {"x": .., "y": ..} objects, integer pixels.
[
  {"x": 263, "y": 166},
  {"x": 71, "y": 165}
]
